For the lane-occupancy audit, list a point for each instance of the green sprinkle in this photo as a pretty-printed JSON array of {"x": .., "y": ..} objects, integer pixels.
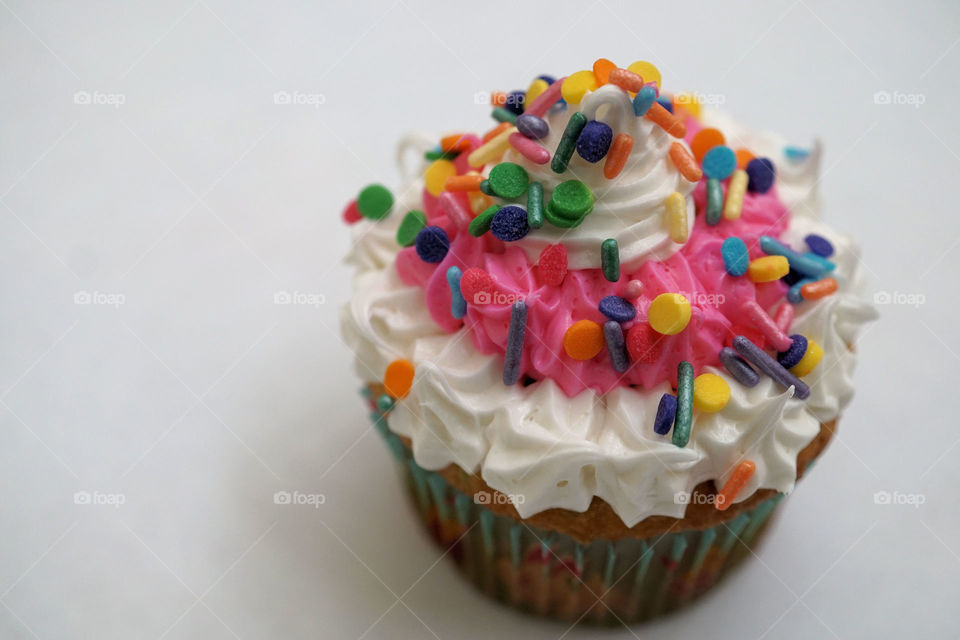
[
  {"x": 714, "y": 201},
  {"x": 434, "y": 154},
  {"x": 508, "y": 180},
  {"x": 558, "y": 220},
  {"x": 572, "y": 199},
  {"x": 485, "y": 188},
  {"x": 409, "y": 228},
  {"x": 481, "y": 224},
  {"x": 535, "y": 205},
  {"x": 503, "y": 115},
  {"x": 684, "y": 417},
  {"x": 385, "y": 403},
  {"x": 568, "y": 142},
  {"x": 375, "y": 202},
  {"x": 610, "y": 259}
]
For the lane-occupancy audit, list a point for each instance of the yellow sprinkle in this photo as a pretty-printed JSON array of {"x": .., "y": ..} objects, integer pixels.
[
  {"x": 809, "y": 360},
  {"x": 577, "y": 85},
  {"x": 647, "y": 71},
  {"x": 735, "y": 192},
  {"x": 537, "y": 87},
  {"x": 435, "y": 177},
  {"x": 768, "y": 268},
  {"x": 669, "y": 313},
  {"x": 677, "y": 217},
  {"x": 479, "y": 201},
  {"x": 492, "y": 149},
  {"x": 710, "y": 392},
  {"x": 688, "y": 102}
]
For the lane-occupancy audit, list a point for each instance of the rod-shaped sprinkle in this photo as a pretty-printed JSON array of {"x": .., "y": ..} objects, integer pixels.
[
  {"x": 610, "y": 259},
  {"x": 515, "y": 336},
  {"x": 798, "y": 261},
  {"x": 666, "y": 412},
  {"x": 685, "y": 163},
  {"x": 545, "y": 100},
  {"x": 758, "y": 358},
  {"x": 616, "y": 345},
  {"x": 492, "y": 149},
  {"x": 529, "y": 149},
  {"x": 736, "y": 189},
  {"x": 617, "y": 156},
  {"x": 458, "y": 214},
  {"x": 738, "y": 368},
  {"x": 535, "y": 205},
  {"x": 670, "y": 123},
  {"x": 458, "y": 305},
  {"x": 568, "y": 142},
  {"x": 784, "y": 316},
  {"x": 818, "y": 289},
  {"x": 763, "y": 323},
  {"x": 734, "y": 484},
  {"x": 681, "y": 425},
  {"x": 714, "y": 201},
  {"x": 794, "y": 293},
  {"x": 676, "y": 206}
]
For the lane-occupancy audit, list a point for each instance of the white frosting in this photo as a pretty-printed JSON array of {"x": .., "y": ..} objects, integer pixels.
[{"x": 549, "y": 450}]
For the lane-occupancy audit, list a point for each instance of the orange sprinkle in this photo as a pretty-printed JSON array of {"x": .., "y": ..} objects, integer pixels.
[
  {"x": 617, "y": 156},
  {"x": 705, "y": 140},
  {"x": 602, "y": 68},
  {"x": 583, "y": 340},
  {"x": 455, "y": 142},
  {"x": 399, "y": 378},
  {"x": 468, "y": 182},
  {"x": 818, "y": 289},
  {"x": 666, "y": 120},
  {"x": 626, "y": 80},
  {"x": 498, "y": 98},
  {"x": 497, "y": 130},
  {"x": 738, "y": 479},
  {"x": 685, "y": 163},
  {"x": 743, "y": 158}
]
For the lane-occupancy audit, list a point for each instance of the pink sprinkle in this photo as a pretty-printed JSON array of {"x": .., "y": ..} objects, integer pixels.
[
  {"x": 552, "y": 265},
  {"x": 476, "y": 281},
  {"x": 633, "y": 290},
  {"x": 529, "y": 149},
  {"x": 545, "y": 100},
  {"x": 765, "y": 325},
  {"x": 458, "y": 214},
  {"x": 351, "y": 214},
  {"x": 784, "y": 316}
]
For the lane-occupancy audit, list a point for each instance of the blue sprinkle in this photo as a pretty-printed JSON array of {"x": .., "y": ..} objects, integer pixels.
[
  {"x": 736, "y": 258},
  {"x": 432, "y": 244},
  {"x": 761, "y": 173},
  {"x": 666, "y": 412},
  {"x": 594, "y": 141},
  {"x": 617, "y": 308},
  {"x": 793, "y": 293},
  {"x": 514, "y": 352},
  {"x": 666, "y": 103},
  {"x": 613, "y": 335},
  {"x": 819, "y": 245},
  {"x": 807, "y": 266},
  {"x": 789, "y": 358},
  {"x": 514, "y": 103},
  {"x": 510, "y": 223},
  {"x": 644, "y": 100},
  {"x": 739, "y": 368},
  {"x": 823, "y": 262},
  {"x": 548, "y": 79},
  {"x": 458, "y": 305},
  {"x": 720, "y": 162},
  {"x": 792, "y": 278},
  {"x": 532, "y": 127},
  {"x": 796, "y": 153}
]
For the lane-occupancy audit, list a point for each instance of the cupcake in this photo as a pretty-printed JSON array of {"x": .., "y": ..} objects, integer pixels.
[{"x": 602, "y": 340}]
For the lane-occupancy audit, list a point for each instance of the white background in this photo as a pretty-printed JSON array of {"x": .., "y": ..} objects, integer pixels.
[{"x": 197, "y": 398}]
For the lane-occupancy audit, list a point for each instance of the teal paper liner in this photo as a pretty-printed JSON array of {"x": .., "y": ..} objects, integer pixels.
[{"x": 550, "y": 574}]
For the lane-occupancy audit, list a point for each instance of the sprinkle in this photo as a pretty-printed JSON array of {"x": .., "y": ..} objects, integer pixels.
[
  {"x": 491, "y": 149},
  {"x": 477, "y": 286},
  {"x": 736, "y": 190},
  {"x": 719, "y": 162},
  {"x": 513, "y": 354},
  {"x": 375, "y": 202},
  {"x": 568, "y": 142},
  {"x": 711, "y": 393},
  {"x": 457, "y": 142},
  {"x": 577, "y": 85},
  {"x": 498, "y": 98},
  {"x": 794, "y": 293},
  {"x": 613, "y": 336},
  {"x": 734, "y": 485},
  {"x": 409, "y": 228},
  {"x": 610, "y": 259},
  {"x": 798, "y": 262},
  {"x": 485, "y": 188},
  {"x": 385, "y": 403},
  {"x": 763, "y": 323},
  {"x": 643, "y": 101},
  {"x": 617, "y": 156},
  {"x": 535, "y": 205},
  {"x": 536, "y": 88},
  {"x": 552, "y": 265},
  {"x": 510, "y": 223},
  {"x": 601, "y": 69},
  {"x": 738, "y": 368},
  {"x": 432, "y": 244},
  {"x": 669, "y": 313},
  {"x": 558, "y": 220},
  {"x": 795, "y": 153},
  {"x": 501, "y": 114},
  {"x": 704, "y": 140},
  {"x": 546, "y": 99},
  {"x": 647, "y": 71},
  {"x": 515, "y": 101},
  {"x": 644, "y": 344},
  {"x": 684, "y": 162},
  {"x": 451, "y": 205},
  {"x": 756, "y": 356},
  {"x": 762, "y": 173},
  {"x": 714, "y": 202},
  {"x": 351, "y": 215},
  {"x": 784, "y": 316},
  {"x": 508, "y": 180},
  {"x": 676, "y": 206},
  {"x": 572, "y": 199},
  {"x": 823, "y": 262},
  {"x": 792, "y": 356},
  {"x": 435, "y": 177},
  {"x": 583, "y": 340},
  {"x": 744, "y": 156},
  {"x": 666, "y": 120},
  {"x": 617, "y": 308},
  {"x": 666, "y": 412},
  {"x": 437, "y": 154},
  {"x": 684, "y": 418},
  {"x": 736, "y": 258},
  {"x": 458, "y": 305},
  {"x": 478, "y": 201},
  {"x": 532, "y": 126},
  {"x": 626, "y": 80},
  {"x": 818, "y": 289},
  {"x": 768, "y": 268},
  {"x": 398, "y": 378},
  {"x": 497, "y": 130},
  {"x": 529, "y": 149},
  {"x": 810, "y": 359},
  {"x": 633, "y": 289},
  {"x": 481, "y": 224},
  {"x": 594, "y": 141},
  {"x": 819, "y": 245},
  {"x": 467, "y": 182}
]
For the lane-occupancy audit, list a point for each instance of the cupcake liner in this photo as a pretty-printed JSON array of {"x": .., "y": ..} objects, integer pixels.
[{"x": 551, "y": 574}]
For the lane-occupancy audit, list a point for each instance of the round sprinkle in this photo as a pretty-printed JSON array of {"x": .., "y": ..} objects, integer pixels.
[
  {"x": 375, "y": 202},
  {"x": 564, "y": 222},
  {"x": 509, "y": 180},
  {"x": 669, "y": 313},
  {"x": 613, "y": 335},
  {"x": 594, "y": 141},
  {"x": 617, "y": 308},
  {"x": 602, "y": 68},
  {"x": 768, "y": 268},
  {"x": 761, "y": 173},
  {"x": 552, "y": 265},
  {"x": 536, "y": 88},
  {"x": 409, "y": 228},
  {"x": 477, "y": 286},
  {"x": 684, "y": 418},
  {"x": 610, "y": 259},
  {"x": 738, "y": 368},
  {"x": 532, "y": 127},
  {"x": 399, "y": 378},
  {"x": 644, "y": 100},
  {"x": 510, "y": 224},
  {"x": 572, "y": 199},
  {"x": 432, "y": 244},
  {"x": 819, "y": 245},
  {"x": 744, "y": 156},
  {"x": 583, "y": 340},
  {"x": 792, "y": 356},
  {"x": 809, "y": 361},
  {"x": 577, "y": 85},
  {"x": 633, "y": 289},
  {"x": 666, "y": 412},
  {"x": 644, "y": 344},
  {"x": 711, "y": 393},
  {"x": 647, "y": 71},
  {"x": 719, "y": 162},
  {"x": 736, "y": 258},
  {"x": 351, "y": 214},
  {"x": 515, "y": 100},
  {"x": 481, "y": 224},
  {"x": 435, "y": 177},
  {"x": 705, "y": 140}
]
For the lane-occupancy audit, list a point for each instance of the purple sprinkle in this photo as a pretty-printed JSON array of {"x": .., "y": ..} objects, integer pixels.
[
  {"x": 738, "y": 368},
  {"x": 666, "y": 411},
  {"x": 514, "y": 103},
  {"x": 613, "y": 333},
  {"x": 794, "y": 354},
  {"x": 594, "y": 141},
  {"x": 756, "y": 356},
  {"x": 432, "y": 244},
  {"x": 819, "y": 245},
  {"x": 761, "y": 174},
  {"x": 510, "y": 223},
  {"x": 617, "y": 308},
  {"x": 514, "y": 352},
  {"x": 532, "y": 127}
]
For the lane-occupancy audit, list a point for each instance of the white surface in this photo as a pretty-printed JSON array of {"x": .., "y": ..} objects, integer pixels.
[{"x": 195, "y": 400}]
